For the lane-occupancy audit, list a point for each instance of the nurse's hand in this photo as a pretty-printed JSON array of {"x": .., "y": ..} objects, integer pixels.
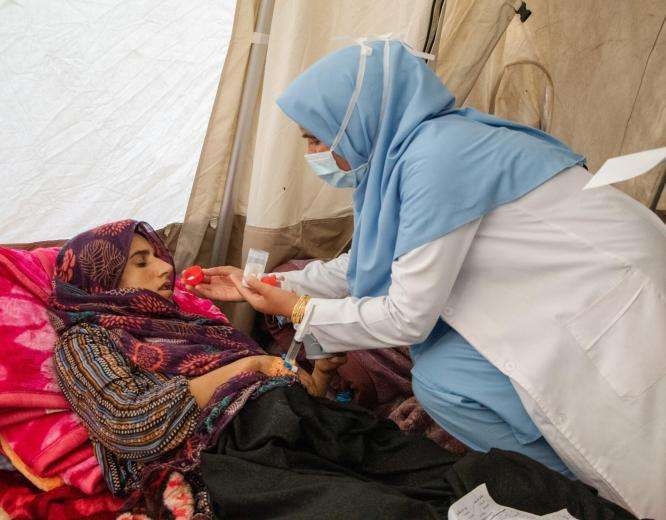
[
  {"x": 217, "y": 285},
  {"x": 264, "y": 297}
]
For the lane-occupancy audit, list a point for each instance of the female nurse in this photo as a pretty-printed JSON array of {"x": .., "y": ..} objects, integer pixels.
[{"x": 535, "y": 311}]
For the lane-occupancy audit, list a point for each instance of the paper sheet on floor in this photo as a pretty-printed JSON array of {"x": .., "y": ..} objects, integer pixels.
[{"x": 479, "y": 505}]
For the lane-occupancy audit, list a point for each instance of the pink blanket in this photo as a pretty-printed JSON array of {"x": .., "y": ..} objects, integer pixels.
[
  {"x": 21, "y": 502},
  {"x": 35, "y": 418}
]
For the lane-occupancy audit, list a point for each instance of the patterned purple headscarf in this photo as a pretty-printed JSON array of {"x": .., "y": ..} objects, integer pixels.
[{"x": 148, "y": 328}]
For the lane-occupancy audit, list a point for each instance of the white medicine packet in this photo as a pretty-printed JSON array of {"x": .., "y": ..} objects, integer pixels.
[
  {"x": 479, "y": 505},
  {"x": 255, "y": 265}
]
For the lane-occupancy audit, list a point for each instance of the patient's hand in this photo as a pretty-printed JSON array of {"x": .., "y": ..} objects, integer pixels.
[
  {"x": 217, "y": 284},
  {"x": 325, "y": 370},
  {"x": 202, "y": 387},
  {"x": 274, "y": 366},
  {"x": 330, "y": 365}
]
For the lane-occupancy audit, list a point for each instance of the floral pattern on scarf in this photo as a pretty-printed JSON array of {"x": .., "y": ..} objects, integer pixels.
[{"x": 148, "y": 328}]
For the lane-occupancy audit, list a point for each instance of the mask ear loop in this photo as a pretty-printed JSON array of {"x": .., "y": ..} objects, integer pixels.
[
  {"x": 365, "y": 51},
  {"x": 386, "y": 76},
  {"x": 386, "y": 86},
  {"x": 392, "y": 36},
  {"x": 423, "y": 55}
]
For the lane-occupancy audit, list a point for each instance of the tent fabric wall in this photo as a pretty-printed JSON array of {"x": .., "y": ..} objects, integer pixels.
[
  {"x": 557, "y": 71},
  {"x": 592, "y": 73},
  {"x": 289, "y": 211},
  {"x": 279, "y": 205},
  {"x": 469, "y": 32},
  {"x": 200, "y": 220},
  {"x": 103, "y": 109}
]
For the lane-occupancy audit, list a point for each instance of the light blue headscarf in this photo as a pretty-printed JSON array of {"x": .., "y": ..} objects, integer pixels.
[{"x": 434, "y": 167}]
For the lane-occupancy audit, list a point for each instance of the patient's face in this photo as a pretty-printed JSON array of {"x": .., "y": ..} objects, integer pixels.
[
  {"x": 314, "y": 145},
  {"x": 146, "y": 271}
]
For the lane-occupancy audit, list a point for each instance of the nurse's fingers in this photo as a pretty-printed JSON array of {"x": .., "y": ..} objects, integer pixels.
[
  {"x": 259, "y": 286},
  {"x": 247, "y": 293},
  {"x": 275, "y": 300},
  {"x": 266, "y": 298}
]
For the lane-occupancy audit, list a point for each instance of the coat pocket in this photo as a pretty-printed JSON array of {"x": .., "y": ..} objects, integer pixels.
[{"x": 624, "y": 334}]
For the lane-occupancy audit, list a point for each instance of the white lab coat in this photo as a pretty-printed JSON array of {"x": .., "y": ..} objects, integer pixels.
[{"x": 564, "y": 291}]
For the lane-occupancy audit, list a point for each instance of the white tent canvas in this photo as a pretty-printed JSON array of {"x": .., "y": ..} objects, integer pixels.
[{"x": 103, "y": 109}]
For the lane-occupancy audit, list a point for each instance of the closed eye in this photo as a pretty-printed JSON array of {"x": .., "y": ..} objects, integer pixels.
[{"x": 140, "y": 258}]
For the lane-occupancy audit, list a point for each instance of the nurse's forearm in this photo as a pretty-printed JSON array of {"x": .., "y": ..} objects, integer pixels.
[
  {"x": 421, "y": 283},
  {"x": 321, "y": 279},
  {"x": 352, "y": 324}
]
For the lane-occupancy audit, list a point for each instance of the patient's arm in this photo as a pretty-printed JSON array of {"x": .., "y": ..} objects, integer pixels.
[
  {"x": 203, "y": 387},
  {"x": 324, "y": 371},
  {"x": 134, "y": 413}
]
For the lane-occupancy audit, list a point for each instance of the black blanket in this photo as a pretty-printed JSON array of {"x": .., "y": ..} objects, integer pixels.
[{"x": 288, "y": 455}]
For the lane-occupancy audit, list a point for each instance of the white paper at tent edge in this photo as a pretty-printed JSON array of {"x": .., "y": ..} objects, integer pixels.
[
  {"x": 625, "y": 167},
  {"x": 494, "y": 510}
]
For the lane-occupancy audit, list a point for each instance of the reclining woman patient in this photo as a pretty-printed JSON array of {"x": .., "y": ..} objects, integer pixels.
[{"x": 188, "y": 415}]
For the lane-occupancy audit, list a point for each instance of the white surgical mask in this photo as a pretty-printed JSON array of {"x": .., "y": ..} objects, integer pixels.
[{"x": 324, "y": 166}]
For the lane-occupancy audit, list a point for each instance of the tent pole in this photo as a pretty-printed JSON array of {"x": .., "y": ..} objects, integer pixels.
[
  {"x": 253, "y": 79},
  {"x": 656, "y": 197}
]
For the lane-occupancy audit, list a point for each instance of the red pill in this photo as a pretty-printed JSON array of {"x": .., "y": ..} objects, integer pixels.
[
  {"x": 271, "y": 279},
  {"x": 192, "y": 275}
]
